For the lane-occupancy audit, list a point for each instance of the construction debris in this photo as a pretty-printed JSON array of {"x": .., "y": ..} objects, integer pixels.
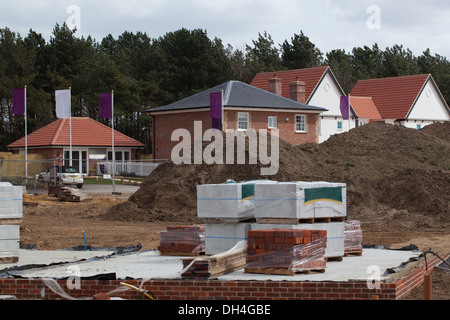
[{"x": 71, "y": 194}]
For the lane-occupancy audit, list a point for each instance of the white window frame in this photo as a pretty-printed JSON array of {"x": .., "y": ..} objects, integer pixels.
[
  {"x": 300, "y": 123},
  {"x": 272, "y": 122},
  {"x": 247, "y": 122}
]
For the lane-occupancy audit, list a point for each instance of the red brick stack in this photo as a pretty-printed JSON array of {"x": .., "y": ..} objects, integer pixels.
[
  {"x": 352, "y": 237},
  {"x": 285, "y": 251},
  {"x": 182, "y": 240}
]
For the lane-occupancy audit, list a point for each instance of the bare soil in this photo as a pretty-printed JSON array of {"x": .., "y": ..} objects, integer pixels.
[{"x": 397, "y": 185}]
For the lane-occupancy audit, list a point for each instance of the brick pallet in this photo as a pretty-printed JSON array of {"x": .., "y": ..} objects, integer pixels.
[
  {"x": 286, "y": 251},
  {"x": 352, "y": 238},
  {"x": 183, "y": 240}
]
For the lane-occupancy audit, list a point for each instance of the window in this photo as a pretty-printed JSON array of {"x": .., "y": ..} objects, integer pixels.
[
  {"x": 339, "y": 125},
  {"x": 300, "y": 123},
  {"x": 242, "y": 121},
  {"x": 272, "y": 122},
  {"x": 419, "y": 126}
]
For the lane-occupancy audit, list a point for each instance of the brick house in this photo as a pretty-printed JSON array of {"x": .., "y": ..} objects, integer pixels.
[
  {"x": 91, "y": 143},
  {"x": 321, "y": 88},
  {"x": 244, "y": 107}
]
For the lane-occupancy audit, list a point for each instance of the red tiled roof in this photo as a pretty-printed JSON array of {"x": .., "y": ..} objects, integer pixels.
[
  {"x": 365, "y": 108},
  {"x": 394, "y": 97},
  {"x": 310, "y": 76},
  {"x": 85, "y": 132}
]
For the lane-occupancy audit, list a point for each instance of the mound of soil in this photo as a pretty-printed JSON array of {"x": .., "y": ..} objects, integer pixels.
[{"x": 394, "y": 174}]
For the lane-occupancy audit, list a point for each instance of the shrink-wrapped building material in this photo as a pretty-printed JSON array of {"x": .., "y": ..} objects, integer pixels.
[
  {"x": 353, "y": 237},
  {"x": 285, "y": 251},
  {"x": 230, "y": 200},
  {"x": 179, "y": 240},
  {"x": 335, "y": 234},
  {"x": 9, "y": 243},
  {"x": 220, "y": 237},
  {"x": 300, "y": 200},
  {"x": 11, "y": 201}
]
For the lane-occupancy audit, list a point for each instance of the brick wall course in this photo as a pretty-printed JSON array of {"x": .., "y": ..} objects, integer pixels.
[{"x": 228, "y": 290}]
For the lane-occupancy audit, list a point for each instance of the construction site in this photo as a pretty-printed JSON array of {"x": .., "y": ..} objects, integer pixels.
[{"x": 361, "y": 216}]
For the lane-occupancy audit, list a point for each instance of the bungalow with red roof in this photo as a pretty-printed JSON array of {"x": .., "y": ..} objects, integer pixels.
[
  {"x": 89, "y": 140},
  {"x": 311, "y": 86},
  {"x": 412, "y": 101}
]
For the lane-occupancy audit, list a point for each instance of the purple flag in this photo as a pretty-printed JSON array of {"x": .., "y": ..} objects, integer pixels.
[
  {"x": 215, "y": 107},
  {"x": 345, "y": 107},
  {"x": 216, "y": 123},
  {"x": 19, "y": 102},
  {"x": 106, "y": 101}
]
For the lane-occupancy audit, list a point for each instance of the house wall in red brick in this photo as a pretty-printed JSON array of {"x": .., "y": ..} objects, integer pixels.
[{"x": 165, "y": 124}]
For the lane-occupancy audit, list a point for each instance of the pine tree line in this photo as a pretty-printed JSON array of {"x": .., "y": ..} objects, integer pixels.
[{"x": 147, "y": 72}]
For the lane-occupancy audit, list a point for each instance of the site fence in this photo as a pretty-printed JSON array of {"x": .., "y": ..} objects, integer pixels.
[{"x": 28, "y": 173}]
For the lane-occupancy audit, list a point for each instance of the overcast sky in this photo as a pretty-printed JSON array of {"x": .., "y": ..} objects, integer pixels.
[{"x": 330, "y": 24}]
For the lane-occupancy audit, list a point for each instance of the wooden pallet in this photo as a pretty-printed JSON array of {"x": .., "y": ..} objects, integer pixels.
[
  {"x": 299, "y": 221},
  {"x": 11, "y": 221},
  {"x": 358, "y": 252},
  {"x": 7, "y": 260},
  {"x": 282, "y": 271},
  {"x": 182, "y": 253},
  {"x": 228, "y": 220}
]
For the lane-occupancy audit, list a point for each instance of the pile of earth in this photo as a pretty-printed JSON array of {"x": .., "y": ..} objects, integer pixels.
[{"x": 394, "y": 175}]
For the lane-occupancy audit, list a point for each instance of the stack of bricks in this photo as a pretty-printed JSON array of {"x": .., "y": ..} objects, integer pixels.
[
  {"x": 352, "y": 237},
  {"x": 182, "y": 240},
  {"x": 285, "y": 251}
]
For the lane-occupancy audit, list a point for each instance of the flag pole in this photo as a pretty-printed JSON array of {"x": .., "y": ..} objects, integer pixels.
[
  {"x": 349, "y": 122},
  {"x": 223, "y": 114},
  {"x": 26, "y": 133},
  {"x": 70, "y": 124},
  {"x": 113, "y": 151}
]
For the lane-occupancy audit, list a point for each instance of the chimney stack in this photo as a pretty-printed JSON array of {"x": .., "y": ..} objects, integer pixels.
[
  {"x": 275, "y": 85},
  {"x": 297, "y": 91}
]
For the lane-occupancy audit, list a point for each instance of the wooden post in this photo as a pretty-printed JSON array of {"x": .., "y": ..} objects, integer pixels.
[{"x": 428, "y": 281}]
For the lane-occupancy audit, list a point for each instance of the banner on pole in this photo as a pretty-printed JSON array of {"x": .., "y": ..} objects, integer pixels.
[
  {"x": 63, "y": 104},
  {"x": 345, "y": 107},
  {"x": 106, "y": 105},
  {"x": 19, "y": 102},
  {"x": 216, "y": 102}
]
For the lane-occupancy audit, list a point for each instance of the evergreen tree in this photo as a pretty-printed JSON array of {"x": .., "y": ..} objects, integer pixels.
[{"x": 300, "y": 53}]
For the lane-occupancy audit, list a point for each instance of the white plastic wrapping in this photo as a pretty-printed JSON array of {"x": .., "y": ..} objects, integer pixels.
[
  {"x": 300, "y": 200},
  {"x": 230, "y": 200},
  {"x": 11, "y": 201},
  {"x": 9, "y": 241},
  {"x": 220, "y": 237}
]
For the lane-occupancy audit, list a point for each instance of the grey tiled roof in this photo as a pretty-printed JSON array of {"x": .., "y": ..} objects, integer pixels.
[{"x": 238, "y": 94}]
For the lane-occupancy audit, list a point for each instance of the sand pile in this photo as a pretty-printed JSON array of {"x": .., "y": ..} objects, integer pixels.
[{"x": 392, "y": 172}]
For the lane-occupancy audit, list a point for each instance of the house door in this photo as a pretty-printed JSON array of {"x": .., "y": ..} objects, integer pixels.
[{"x": 79, "y": 160}]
